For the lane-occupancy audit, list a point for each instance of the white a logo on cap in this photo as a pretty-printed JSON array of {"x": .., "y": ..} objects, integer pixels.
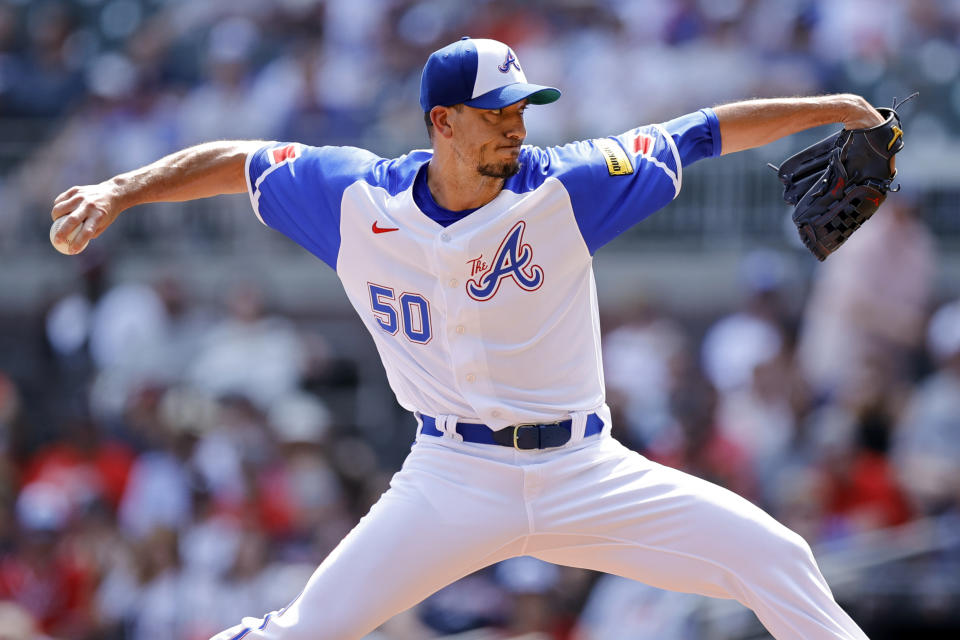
[
  {"x": 510, "y": 60},
  {"x": 495, "y": 68}
]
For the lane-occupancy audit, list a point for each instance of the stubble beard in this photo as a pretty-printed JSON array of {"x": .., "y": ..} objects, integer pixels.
[{"x": 502, "y": 170}]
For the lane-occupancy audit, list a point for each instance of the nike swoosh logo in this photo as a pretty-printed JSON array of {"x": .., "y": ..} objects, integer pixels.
[{"x": 377, "y": 229}]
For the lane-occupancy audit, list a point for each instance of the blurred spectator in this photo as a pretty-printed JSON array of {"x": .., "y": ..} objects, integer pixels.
[
  {"x": 736, "y": 344},
  {"x": 748, "y": 357},
  {"x": 187, "y": 323},
  {"x": 695, "y": 444},
  {"x": 130, "y": 122},
  {"x": 254, "y": 581},
  {"x": 301, "y": 499},
  {"x": 855, "y": 32},
  {"x": 10, "y": 416},
  {"x": 223, "y": 449},
  {"x": 760, "y": 419},
  {"x": 68, "y": 325},
  {"x": 43, "y": 573},
  {"x": 640, "y": 358},
  {"x": 473, "y": 602},
  {"x": 799, "y": 501},
  {"x": 138, "y": 336},
  {"x": 848, "y": 443},
  {"x": 159, "y": 489},
  {"x": 164, "y": 605},
  {"x": 154, "y": 593},
  {"x": 85, "y": 467},
  {"x": 224, "y": 107},
  {"x": 249, "y": 352},
  {"x": 862, "y": 492},
  {"x": 208, "y": 549},
  {"x": 18, "y": 624},
  {"x": 530, "y": 585},
  {"x": 210, "y": 543},
  {"x": 868, "y": 305},
  {"x": 232, "y": 447},
  {"x": 622, "y": 609},
  {"x": 927, "y": 444},
  {"x": 124, "y": 324},
  {"x": 245, "y": 581},
  {"x": 42, "y": 81},
  {"x": 10, "y": 408},
  {"x": 69, "y": 319}
]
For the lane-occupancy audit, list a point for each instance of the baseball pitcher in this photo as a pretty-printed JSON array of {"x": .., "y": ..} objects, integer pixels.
[{"x": 470, "y": 265}]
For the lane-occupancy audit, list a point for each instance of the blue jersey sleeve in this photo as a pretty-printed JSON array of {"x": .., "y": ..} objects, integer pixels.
[
  {"x": 297, "y": 190},
  {"x": 618, "y": 181}
]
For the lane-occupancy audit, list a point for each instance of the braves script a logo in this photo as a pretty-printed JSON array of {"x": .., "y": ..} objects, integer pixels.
[
  {"x": 509, "y": 60},
  {"x": 512, "y": 260}
]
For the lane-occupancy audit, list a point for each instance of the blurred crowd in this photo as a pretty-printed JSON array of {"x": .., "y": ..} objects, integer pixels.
[
  {"x": 108, "y": 85},
  {"x": 169, "y": 465},
  {"x": 177, "y": 464}
]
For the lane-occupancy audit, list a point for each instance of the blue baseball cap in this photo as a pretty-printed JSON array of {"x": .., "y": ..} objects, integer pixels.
[{"x": 479, "y": 73}]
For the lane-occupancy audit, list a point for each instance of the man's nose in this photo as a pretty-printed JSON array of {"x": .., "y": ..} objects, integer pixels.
[{"x": 516, "y": 130}]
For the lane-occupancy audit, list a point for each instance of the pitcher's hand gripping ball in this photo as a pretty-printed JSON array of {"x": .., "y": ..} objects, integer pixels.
[
  {"x": 64, "y": 247},
  {"x": 839, "y": 182}
]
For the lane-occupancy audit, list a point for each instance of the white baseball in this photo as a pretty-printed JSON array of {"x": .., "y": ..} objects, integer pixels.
[{"x": 64, "y": 247}]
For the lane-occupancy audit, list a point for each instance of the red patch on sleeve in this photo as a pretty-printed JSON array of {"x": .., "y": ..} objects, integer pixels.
[
  {"x": 643, "y": 144},
  {"x": 280, "y": 154}
]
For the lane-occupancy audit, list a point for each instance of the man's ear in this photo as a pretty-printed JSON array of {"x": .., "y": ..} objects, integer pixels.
[{"x": 441, "y": 119}]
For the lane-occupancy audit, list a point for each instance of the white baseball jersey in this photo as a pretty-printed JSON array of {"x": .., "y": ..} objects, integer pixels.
[{"x": 489, "y": 315}]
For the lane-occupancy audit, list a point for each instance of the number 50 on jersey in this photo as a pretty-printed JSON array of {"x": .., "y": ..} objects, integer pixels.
[{"x": 411, "y": 310}]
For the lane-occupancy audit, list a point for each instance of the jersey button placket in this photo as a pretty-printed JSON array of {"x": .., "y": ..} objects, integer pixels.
[
  {"x": 472, "y": 348},
  {"x": 466, "y": 351},
  {"x": 448, "y": 260}
]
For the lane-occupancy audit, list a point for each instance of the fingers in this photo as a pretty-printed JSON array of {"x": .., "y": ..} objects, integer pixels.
[
  {"x": 69, "y": 193},
  {"x": 89, "y": 231},
  {"x": 66, "y": 227},
  {"x": 84, "y": 215},
  {"x": 84, "y": 211},
  {"x": 65, "y": 205}
]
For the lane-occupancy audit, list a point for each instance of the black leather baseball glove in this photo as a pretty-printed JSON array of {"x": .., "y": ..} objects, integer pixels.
[{"x": 838, "y": 183}]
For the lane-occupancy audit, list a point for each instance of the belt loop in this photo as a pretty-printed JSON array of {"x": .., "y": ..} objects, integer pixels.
[
  {"x": 578, "y": 425},
  {"x": 447, "y": 425},
  {"x": 417, "y": 415}
]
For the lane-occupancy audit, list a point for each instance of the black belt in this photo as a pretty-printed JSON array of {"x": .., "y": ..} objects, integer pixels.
[{"x": 525, "y": 436}]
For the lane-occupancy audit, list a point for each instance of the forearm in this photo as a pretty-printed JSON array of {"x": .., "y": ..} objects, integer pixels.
[
  {"x": 754, "y": 123},
  {"x": 202, "y": 171}
]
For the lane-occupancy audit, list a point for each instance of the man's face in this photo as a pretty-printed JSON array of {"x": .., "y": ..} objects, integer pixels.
[{"x": 490, "y": 138}]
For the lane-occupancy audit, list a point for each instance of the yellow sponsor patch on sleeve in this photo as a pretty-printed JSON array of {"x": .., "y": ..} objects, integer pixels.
[{"x": 618, "y": 163}]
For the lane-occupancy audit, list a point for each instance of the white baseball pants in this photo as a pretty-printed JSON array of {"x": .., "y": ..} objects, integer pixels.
[{"x": 456, "y": 507}]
